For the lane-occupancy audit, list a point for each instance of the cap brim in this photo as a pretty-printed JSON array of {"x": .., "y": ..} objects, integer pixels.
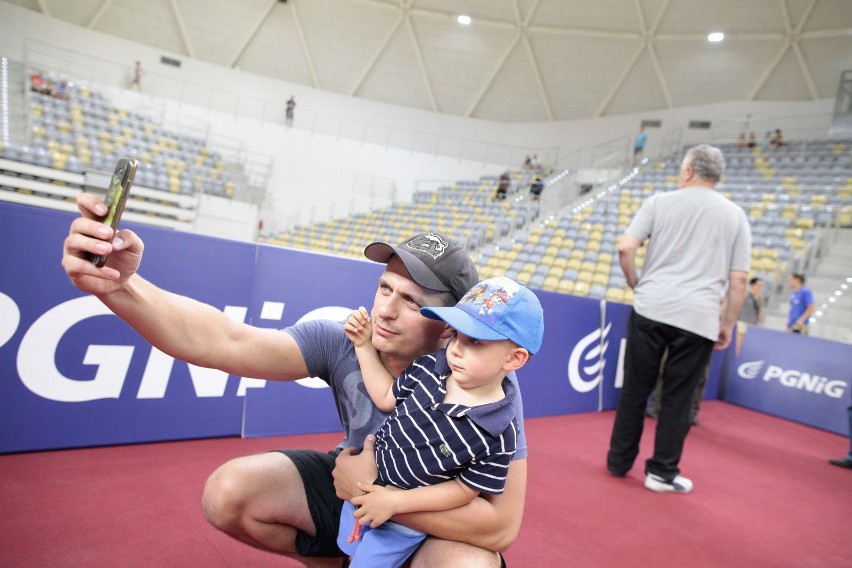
[
  {"x": 419, "y": 272},
  {"x": 462, "y": 322}
]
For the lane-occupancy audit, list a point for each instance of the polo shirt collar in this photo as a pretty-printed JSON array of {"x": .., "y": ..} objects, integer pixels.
[{"x": 493, "y": 417}]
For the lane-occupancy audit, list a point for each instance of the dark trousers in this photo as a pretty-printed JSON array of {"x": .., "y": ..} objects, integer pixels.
[{"x": 647, "y": 341}]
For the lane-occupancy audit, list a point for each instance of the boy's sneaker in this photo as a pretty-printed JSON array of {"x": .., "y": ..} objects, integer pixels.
[{"x": 679, "y": 484}]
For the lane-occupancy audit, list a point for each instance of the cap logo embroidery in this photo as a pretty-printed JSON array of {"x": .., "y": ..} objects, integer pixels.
[
  {"x": 429, "y": 243},
  {"x": 487, "y": 295}
]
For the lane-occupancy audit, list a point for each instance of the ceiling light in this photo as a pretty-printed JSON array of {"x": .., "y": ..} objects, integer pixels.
[
  {"x": 464, "y": 20},
  {"x": 715, "y": 37}
]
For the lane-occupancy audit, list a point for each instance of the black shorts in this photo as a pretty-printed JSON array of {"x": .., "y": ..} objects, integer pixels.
[
  {"x": 325, "y": 506},
  {"x": 315, "y": 469}
]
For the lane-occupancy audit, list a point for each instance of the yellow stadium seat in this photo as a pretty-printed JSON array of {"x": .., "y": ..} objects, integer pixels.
[
  {"x": 614, "y": 295},
  {"x": 581, "y": 288},
  {"x": 551, "y": 283},
  {"x": 566, "y": 287},
  {"x": 600, "y": 279},
  {"x": 584, "y": 276}
]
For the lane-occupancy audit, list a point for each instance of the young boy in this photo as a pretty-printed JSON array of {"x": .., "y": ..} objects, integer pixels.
[{"x": 452, "y": 432}]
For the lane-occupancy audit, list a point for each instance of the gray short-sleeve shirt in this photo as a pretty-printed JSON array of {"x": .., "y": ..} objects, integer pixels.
[{"x": 697, "y": 237}]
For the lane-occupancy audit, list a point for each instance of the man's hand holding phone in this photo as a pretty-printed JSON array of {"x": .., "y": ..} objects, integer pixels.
[{"x": 89, "y": 238}]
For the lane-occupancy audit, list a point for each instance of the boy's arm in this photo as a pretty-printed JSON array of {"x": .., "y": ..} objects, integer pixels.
[
  {"x": 378, "y": 381},
  {"x": 381, "y": 503},
  {"x": 489, "y": 521}
]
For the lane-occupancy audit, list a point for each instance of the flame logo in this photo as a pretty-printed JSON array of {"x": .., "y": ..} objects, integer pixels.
[
  {"x": 750, "y": 370},
  {"x": 587, "y": 361}
]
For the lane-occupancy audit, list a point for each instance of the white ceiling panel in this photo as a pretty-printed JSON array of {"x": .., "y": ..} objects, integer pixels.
[{"x": 519, "y": 60}]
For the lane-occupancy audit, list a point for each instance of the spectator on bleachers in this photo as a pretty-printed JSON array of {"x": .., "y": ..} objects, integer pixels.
[
  {"x": 741, "y": 141},
  {"x": 639, "y": 144},
  {"x": 535, "y": 164},
  {"x": 777, "y": 139},
  {"x": 528, "y": 162},
  {"x": 136, "y": 81},
  {"x": 502, "y": 186},
  {"x": 752, "y": 140},
  {"x": 536, "y": 187},
  {"x": 291, "y": 106},
  {"x": 767, "y": 140}
]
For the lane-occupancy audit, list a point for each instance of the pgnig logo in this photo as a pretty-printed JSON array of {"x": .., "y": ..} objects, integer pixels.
[{"x": 792, "y": 378}]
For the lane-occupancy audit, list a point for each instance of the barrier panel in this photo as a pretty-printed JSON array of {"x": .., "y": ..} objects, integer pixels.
[
  {"x": 72, "y": 374},
  {"x": 795, "y": 377}
]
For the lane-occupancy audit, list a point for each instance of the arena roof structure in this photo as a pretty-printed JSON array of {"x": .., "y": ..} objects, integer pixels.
[{"x": 517, "y": 60}]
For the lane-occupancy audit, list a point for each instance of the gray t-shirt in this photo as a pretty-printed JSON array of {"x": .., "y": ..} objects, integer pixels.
[
  {"x": 751, "y": 310},
  {"x": 330, "y": 355},
  {"x": 697, "y": 237}
]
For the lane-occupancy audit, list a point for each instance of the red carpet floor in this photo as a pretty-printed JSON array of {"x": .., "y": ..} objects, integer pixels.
[{"x": 764, "y": 496}]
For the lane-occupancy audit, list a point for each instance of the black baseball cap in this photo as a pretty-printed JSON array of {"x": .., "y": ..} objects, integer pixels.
[{"x": 433, "y": 261}]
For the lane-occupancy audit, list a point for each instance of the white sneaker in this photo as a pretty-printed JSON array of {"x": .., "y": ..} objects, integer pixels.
[{"x": 679, "y": 484}]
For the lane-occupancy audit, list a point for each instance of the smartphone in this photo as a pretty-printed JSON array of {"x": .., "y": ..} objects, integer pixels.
[{"x": 116, "y": 197}]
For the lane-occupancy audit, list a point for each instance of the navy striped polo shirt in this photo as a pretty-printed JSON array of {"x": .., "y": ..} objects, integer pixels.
[{"x": 425, "y": 441}]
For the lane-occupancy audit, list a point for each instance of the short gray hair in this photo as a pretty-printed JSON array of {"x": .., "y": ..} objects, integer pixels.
[{"x": 707, "y": 162}]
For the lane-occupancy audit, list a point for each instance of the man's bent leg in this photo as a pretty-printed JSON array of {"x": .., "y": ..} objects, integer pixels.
[
  {"x": 451, "y": 554},
  {"x": 260, "y": 500}
]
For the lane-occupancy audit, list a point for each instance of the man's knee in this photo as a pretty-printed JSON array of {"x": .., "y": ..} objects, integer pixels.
[
  {"x": 451, "y": 554},
  {"x": 222, "y": 500}
]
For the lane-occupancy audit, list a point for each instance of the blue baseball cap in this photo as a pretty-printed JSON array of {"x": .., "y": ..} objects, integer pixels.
[{"x": 497, "y": 308}]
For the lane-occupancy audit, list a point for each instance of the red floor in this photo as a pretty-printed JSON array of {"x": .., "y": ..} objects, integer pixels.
[{"x": 764, "y": 496}]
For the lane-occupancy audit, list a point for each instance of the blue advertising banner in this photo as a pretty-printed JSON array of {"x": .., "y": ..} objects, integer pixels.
[
  {"x": 75, "y": 375},
  {"x": 72, "y": 374},
  {"x": 307, "y": 286},
  {"x": 562, "y": 377},
  {"x": 793, "y": 376},
  {"x": 616, "y": 317}
]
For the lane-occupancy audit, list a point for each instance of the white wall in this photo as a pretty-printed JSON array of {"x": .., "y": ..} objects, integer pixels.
[{"x": 314, "y": 173}]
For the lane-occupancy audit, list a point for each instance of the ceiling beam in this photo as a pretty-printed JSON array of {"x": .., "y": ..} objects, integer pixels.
[
  {"x": 265, "y": 14},
  {"x": 184, "y": 36},
  {"x": 537, "y": 75},
  {"x": 765, "y": 76},
  {"x": 420, "y": 62},
  {"x": 580, "y": 32},
  {"x": 621, "y": 78},
  {"x": 822, "y": 34},
  {"x": 806, "y": 71},
  {"x": 103, "y": 8},
  {"x": 304, "y": 43},
  {"x": 533, "y": 63},
  {"x": 376, "y": 55},
  {"x": 660, "y": 77},
  {"x": 493, "y": 75},
  {"x": 737, "y": 36},
  {"x": 43, "y": 8}
]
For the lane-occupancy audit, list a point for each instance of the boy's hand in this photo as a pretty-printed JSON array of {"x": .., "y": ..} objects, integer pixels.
[
  {"x": 358, "y": 328},
  {"x": 376, "y": 506}
]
